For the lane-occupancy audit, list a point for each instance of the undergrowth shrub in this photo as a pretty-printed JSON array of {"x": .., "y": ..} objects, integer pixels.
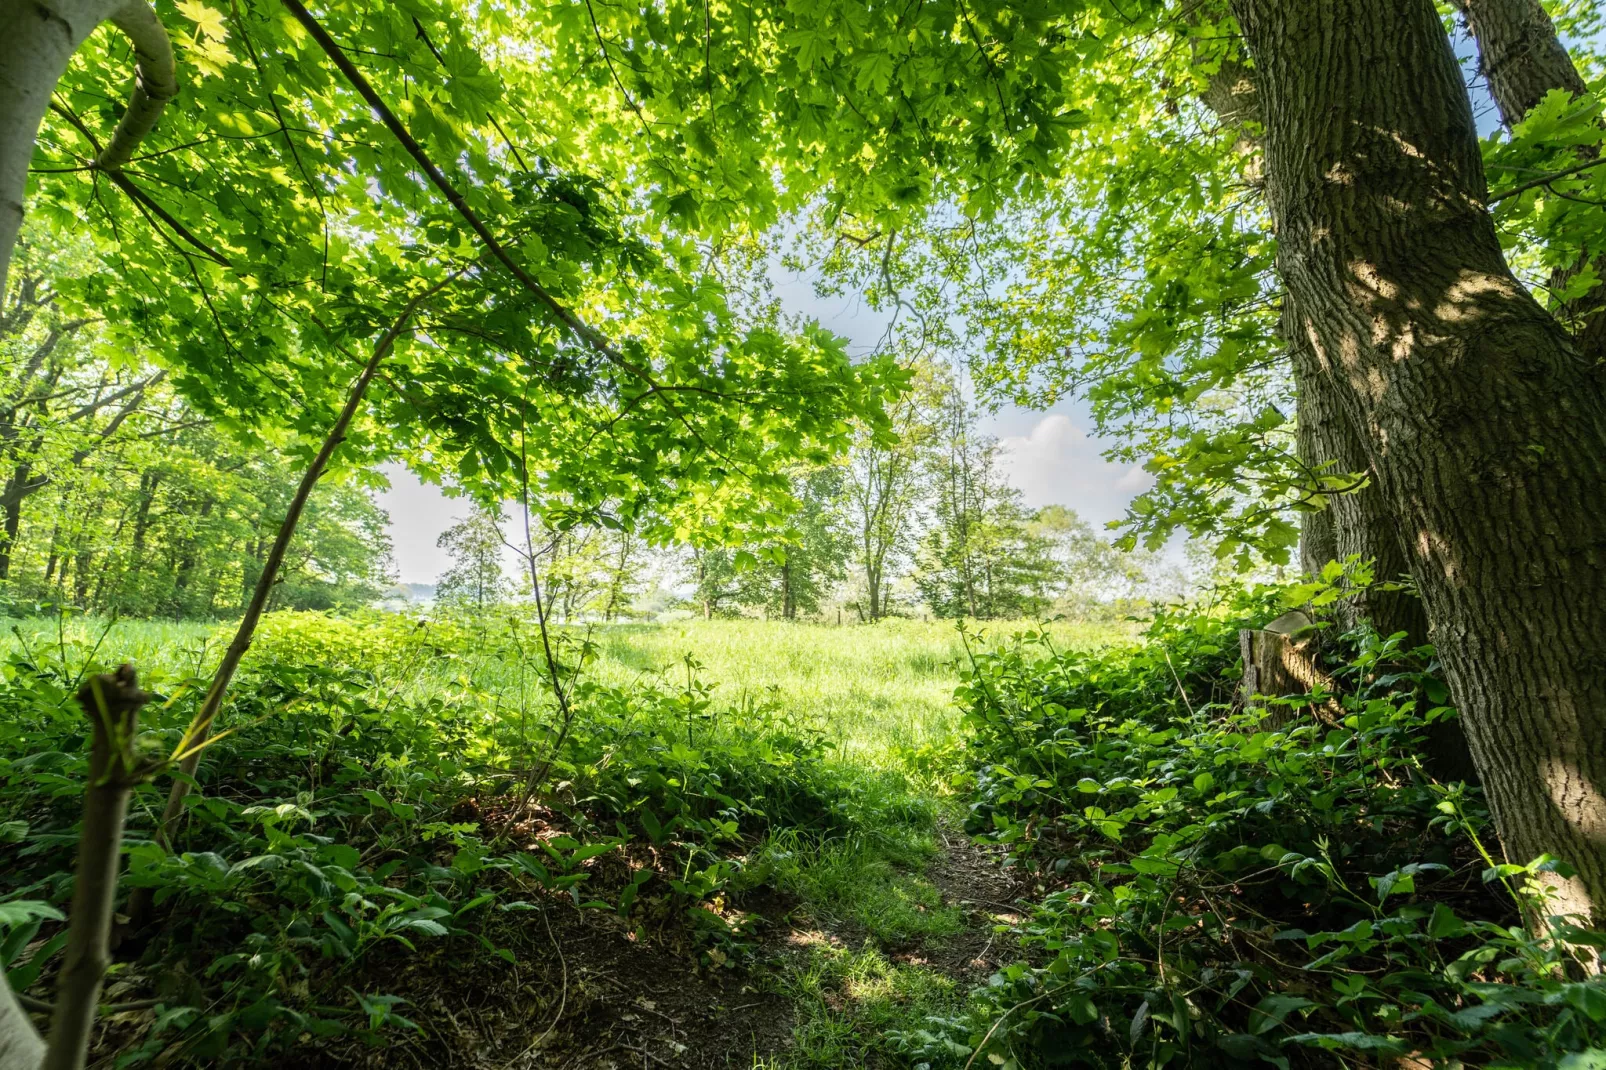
[
  {"x": 1223, "y": 887},
  {"x": 382, "y": 786}
]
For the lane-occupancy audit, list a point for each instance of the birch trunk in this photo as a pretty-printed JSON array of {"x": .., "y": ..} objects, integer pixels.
[
  {"x": 37, "y": 39},
  {"x": 20, "y": 1045}
]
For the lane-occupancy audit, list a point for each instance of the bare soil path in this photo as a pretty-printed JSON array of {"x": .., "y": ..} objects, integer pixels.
[{"x": 586, "y": 993}]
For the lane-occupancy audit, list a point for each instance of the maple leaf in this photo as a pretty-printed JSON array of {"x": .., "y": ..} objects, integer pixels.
[{"x": 208, "y": 21}]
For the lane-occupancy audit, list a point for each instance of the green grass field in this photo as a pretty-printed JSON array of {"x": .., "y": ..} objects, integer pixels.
[{"x": 880, "y": 692}]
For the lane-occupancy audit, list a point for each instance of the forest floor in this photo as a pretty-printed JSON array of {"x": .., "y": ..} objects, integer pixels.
[{"x": 819, "y": 989}]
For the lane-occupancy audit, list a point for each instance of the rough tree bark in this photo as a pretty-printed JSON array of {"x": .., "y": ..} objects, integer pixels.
[
  {"x": 1519, "y": 54},
  {"x": 1486, "y": 430},
  {"x": 37, "y": 38},
  {"x": 1357, "y": 521},
  {"x": 1522, "y": 59}
]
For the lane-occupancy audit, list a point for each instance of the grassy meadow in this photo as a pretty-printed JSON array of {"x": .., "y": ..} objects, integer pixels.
[{"x": 880, "y": 692}]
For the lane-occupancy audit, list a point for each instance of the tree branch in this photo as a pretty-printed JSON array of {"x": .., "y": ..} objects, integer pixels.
[
  {"x": 580, "y": 329},
  {"x": 1544, "y": 180},
  {"x": 136, "y": 389},
  {"x": 139, "y": 196},
  {"x": 155, "y": 82}
]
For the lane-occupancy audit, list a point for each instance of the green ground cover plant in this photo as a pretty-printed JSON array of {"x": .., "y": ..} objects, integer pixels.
[
  {"x": 391, "y": 782},
  {"x": 1219, "y": 886},
  {"x": 1195, "y": 884},
  {"x": 388, "y": 785}
]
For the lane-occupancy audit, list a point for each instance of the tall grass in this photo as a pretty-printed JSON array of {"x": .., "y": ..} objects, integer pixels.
[
  {"x": 169, "y": 649},
  {"x": 881, "y": 692}
]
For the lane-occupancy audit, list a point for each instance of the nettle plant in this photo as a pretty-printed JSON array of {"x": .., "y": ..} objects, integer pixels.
[{"x": 1218, "y": 891}]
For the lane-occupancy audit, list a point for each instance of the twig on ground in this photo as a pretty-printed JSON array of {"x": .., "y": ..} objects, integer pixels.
[{"x": 563, "y": 995}]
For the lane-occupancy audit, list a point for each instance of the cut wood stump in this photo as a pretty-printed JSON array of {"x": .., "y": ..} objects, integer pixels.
[{"x": 1280, "y": 660}]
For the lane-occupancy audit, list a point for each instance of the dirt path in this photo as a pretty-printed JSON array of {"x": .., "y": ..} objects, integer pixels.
[
  {"x": 973, "y": 877},
  {"x": 585, "y": 993}
]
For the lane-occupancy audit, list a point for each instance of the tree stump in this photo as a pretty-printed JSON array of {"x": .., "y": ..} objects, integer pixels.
[{"x": 1280, "y": 660}]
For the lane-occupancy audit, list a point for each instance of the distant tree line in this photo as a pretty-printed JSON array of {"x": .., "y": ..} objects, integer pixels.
[
  {"x": 922, "y": 521},
  {"x": 116, "y": 496}
]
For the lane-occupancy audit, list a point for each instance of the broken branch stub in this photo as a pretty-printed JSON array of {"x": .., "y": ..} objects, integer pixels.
[
  {"x": 112, "y": 702},
  {"x": 1280, "y": 661}
]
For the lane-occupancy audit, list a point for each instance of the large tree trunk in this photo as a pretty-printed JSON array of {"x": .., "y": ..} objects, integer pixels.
[
  {"x": 1486, "y": 431},
  {"x": 1519, "y": 54},
  {"x": 1522, "y": 60},
  {"x": 36, "y": 41},
  {"x": 1318, "y": 532},
  {"x": 1357, "y": 521}
]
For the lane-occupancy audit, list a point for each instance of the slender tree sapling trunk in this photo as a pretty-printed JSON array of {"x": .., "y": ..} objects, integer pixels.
[
  {"x": 112, "y": 702},
  {"x": 141, "y": 901}
]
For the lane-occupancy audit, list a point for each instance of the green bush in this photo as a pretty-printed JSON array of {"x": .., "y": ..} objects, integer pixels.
[
  {"x": 1217, "y": 891},
  {"x": 367, "y": 802}
]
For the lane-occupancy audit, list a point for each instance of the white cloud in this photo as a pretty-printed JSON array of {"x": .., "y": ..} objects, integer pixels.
[
  {"x": 1057, "y": 463},
  {"x": 419, "y": 512}
]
